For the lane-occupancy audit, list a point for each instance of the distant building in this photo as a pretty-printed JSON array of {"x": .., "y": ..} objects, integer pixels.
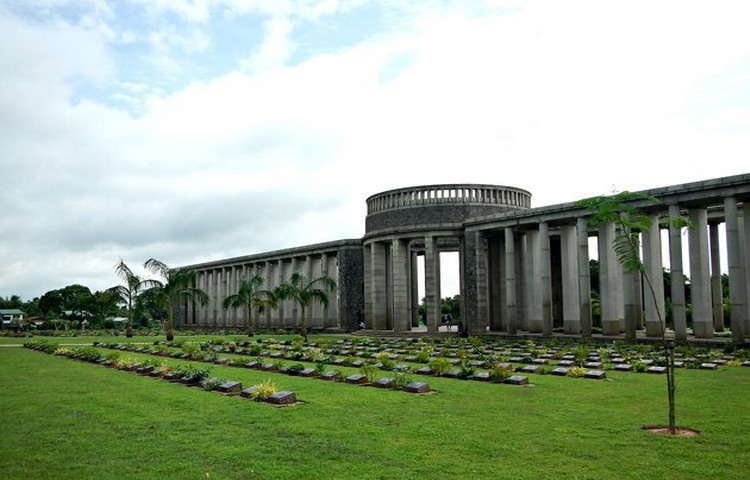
[{"x": 11, "y": 316}]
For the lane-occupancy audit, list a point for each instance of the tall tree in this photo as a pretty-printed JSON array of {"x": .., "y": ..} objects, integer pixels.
[
  {"x": 620, "y": 210},
  {"x": 176, "y": 285},
  {"x": 251, "y": 296},
  {"x": 128, "y": 291},
  {"x": 305, "y": 293}
]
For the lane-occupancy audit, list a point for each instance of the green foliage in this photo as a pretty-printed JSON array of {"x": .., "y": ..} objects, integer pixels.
[
  {"x": 264, "y": 389},
  {"x": 320, "y": 368},
  {"x": 193, "y": 372},
  {"x": 385, "y": 359},
  {"x": 211, "y": 383},
  {"x": 440, "y": 365},
  {"x": 577, "y": 372},
  {"x": 400, "y": 380},
  {"x": 369, "y": 371},
  {"x": 498, "y": 373}
]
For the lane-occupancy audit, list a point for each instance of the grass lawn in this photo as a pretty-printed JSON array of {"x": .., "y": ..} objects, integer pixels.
[{"x": 67, "y": 419}]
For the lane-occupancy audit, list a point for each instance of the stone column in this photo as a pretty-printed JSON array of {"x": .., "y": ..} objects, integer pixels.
[
  {"x": 653, "y": 266},
  {"x": 610, "y": 282},
  {"x": 518, "y": 266},
  {"x": 378, "y": 286},
  {"x": 737, "y": 274},
  {"x": 268, "y": 284},
  {"x": 744, "y": 229},
  {"x": 280, "y": 278},
  {"x": 717, "y": 297},
  {"x": 571, "y": 295},
  {"x": 432, "y": 283},
  {"x": 584, "y": 276},
  {"x": 536, "y": 310},
  {"x": 545, "y": 278},
  {"x": 414, "y": 288},
  {"x": 527, "y": 252},
  {"x": 631, "y": 282},
  {"x": 400, "y": 285},
  {"x": 677, "y": 278},
  {"x": 481, "y": 270},
  {"x": 324, "y": 273},
  {"x": 511, "y": 302},
  {"x": 700, "y": 276}
]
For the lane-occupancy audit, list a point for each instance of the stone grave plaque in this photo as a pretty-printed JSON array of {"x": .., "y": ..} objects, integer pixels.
[
  {"x": 230, "y": 387},
  {"x": 282, "y": 398},
  {"x": 708, "y": 366},
  {"x": 565, "y": 363},
  {"x": 656, "y": 369},
  {"x": 356, "y": 379},
  {"x": 481, "y": 376},
  {"x": 307, "y": 372},
  {"x": 417, "y": 387},
  {"x": 517, "y": 380},
  {"x": 623, "y": 367},
  {"x": 424, "y": 371},
  {"x": 593, "y": 364},
  {"x": 596, "y": 374},
  {"x": 330, "y": 375},
  {"x": 383, "y": 383},
  {"x": 530, "y": 369},
  {"x": 560, "y": 371}
]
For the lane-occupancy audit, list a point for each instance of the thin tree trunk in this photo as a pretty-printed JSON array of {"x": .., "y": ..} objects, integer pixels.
[
  {"x": 129, "y": 328},
  {"x": 302, "y": 323},
  {"x": 669, "y": 356},
  {"x": 170, "y": 325},
  {"x": 250, "y": 326}
]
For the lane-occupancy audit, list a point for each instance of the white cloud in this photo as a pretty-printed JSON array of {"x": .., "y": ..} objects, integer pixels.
[{"x": 564, "y": 99}]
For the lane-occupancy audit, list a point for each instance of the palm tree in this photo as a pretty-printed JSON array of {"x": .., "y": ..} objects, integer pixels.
[
  {"x": 250, "y": 295},
  {"x": 176, "y": 285},
  {"x": 128, "y": 292},
  {"x": 305, "y": 293}
]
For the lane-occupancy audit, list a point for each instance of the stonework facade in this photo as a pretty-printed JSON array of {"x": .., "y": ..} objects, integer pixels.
[{"x": 522, "y": 269}]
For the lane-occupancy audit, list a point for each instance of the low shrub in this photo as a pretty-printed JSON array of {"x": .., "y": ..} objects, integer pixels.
[
  {"x": 193, "y": 373},
  {"x": 265, "y": 389},
  {"x": 369, "y": 371},
  {"x": 577, "y": 372},
  {"x": 211, "y": 383},
  {"x": 400, "y": 380},
  {"x": 295, "y": 369},
  {"x": 498, "y": 373},
  {"x": 320, "y": 368},
  {"x": 440, "y": 365}
]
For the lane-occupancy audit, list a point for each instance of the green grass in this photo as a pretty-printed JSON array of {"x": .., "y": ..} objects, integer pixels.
[{"x": 67, "y": 419}]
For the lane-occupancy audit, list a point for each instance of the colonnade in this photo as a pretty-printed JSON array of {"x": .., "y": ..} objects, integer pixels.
[
  {"x": 391, "y": 300},
  {"x": 340, "y": 260},
  {"x": 535, "y": 276}
]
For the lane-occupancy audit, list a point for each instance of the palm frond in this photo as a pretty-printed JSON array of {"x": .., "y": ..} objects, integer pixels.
[{"x": 155, "y": 266}]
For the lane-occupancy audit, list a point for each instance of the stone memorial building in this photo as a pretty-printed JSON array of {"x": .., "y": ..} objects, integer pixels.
[{"x": 521, "y": 268}]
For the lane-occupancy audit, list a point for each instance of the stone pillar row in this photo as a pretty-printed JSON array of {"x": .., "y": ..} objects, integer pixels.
[
  {"x": 627, "y": 299},
  {"x": 221, "y": 282}
]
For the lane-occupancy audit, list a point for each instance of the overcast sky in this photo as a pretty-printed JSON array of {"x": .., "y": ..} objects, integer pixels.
[{"x": 192, "y": 130}]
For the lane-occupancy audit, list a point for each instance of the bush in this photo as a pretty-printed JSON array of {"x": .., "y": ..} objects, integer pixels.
[
  {"x": 369, "y": 371},
  {"x": 265, "y": 389},
  {"x": 385, "y": 359},
  {"x": 400, "y": 380},
  {"x": 639, "y": 366},
  {"x": 440, "y": 365},
  {"x": 577, "y": 372},
  {"x": 320, "y": 368},
  {"x": 211, "y": 383},
  {"x": 498, "y": 373},
  {"x": 295, "y": 369},
  {"x": 193, "y": 373}
]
